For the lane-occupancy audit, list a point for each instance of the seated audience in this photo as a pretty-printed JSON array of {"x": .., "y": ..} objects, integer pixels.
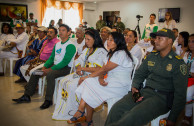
[
  {"x": 183, "y": 42},
  {"x": 96, "y": 88},
  {"x": 80, "y": 41},
  {"x": 58, "y": 64},
  {"x": 52, "y": 23},
  {"x": 104, "y": 33},
  {"x": 6, "y": 33},
  {"x": 43, "y": 55},
  {"x": 34, "y": 51},
  {"x": 33, "y": 35},
  {"x": 132, "y": 46},
  {"x": 88, "y": 62},
  {"x": 166, "y": 83},
  {"x": 176, "y": 34},
  {"x": 18, "y": 43},
  {"x": 189, "y": 58}
]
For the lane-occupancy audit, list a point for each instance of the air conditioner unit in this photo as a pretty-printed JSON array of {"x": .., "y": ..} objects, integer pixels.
[{"x": 89, "y": 6}]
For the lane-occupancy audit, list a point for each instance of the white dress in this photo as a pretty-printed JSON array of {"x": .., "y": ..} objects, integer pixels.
[
  {"x": 138, "y": 52},
  {"x": 67, "y": 102},
  {"x": 119, "y": 82}
]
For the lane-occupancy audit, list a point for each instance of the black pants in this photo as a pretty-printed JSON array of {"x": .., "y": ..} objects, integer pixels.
[{"x": 50, "y": 78}]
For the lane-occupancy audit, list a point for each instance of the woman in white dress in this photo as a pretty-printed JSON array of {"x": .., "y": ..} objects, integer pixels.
[
  {"x": 183, "y": 42},
  {"x": 97, "y": 87},
  {"x": 189, "y": 60},
  {"x": 169, "y": 22},
  {"x": 89, "y": 61},
  {"x": 132, "y": 46}
]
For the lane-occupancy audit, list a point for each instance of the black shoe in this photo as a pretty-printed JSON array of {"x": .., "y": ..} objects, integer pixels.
[
  {"x": 46, "y": 104},
  {"x": 1, "y": 74},
  {"x": 23, "y": 99},
  {"x": 21, "y": 80}
]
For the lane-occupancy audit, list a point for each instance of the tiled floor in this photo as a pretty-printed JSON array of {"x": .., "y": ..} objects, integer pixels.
[{"x": 29, "y": 114}]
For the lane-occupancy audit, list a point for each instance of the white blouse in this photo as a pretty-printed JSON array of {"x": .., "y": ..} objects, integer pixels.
[
  {"x": 171, "y": 24},
  {"x": 185, "y": 58}
]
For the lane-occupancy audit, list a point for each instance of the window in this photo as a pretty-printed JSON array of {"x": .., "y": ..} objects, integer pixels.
[{"x": 69, "y": 17}]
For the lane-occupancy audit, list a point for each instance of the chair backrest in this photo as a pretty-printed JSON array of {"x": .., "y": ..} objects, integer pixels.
[
  {"x": 136, "y": 63},
  {"x": 24, "y": 50},
  {"x": 73, "y": 64}
]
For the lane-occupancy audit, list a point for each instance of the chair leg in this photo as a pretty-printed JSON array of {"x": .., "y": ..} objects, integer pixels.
[
  {"x": 5, "y": 65},
  {"x": 39, "y": 85},
  {"x": 11, "y": 67}
]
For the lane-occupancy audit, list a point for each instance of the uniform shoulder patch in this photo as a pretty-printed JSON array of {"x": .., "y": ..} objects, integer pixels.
[
  {"x": 178, "y": 57},
  {"x": 154, "y": 51},
  {"x": 183, "y": 69}
]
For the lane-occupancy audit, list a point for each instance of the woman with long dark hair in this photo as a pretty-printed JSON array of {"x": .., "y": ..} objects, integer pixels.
[
  {"x": 183, "y": 43},
  {"x": 90, "y": 60},
  {"x": 110, "y": 81},
  {"x": 132, "y": 46}
]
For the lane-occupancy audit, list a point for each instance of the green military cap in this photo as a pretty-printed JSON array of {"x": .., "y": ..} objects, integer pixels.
[{"x": 164, "y": 33}]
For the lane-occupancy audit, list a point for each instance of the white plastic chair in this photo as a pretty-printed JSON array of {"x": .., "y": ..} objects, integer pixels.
[
  {"x": 42, "y": 82},
  {"x": 112, "y": 101},
  {"x": 11, "y": 61},
  {"x": 156, "y": 121}
]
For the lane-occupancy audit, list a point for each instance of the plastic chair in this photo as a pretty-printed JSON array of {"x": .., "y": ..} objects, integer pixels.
[
  {"x": 112, "y": 101},
  {"x": 11, "y": 61},
  {"x": 156, "y": 121},
  {"x": 42, "y": 82}
]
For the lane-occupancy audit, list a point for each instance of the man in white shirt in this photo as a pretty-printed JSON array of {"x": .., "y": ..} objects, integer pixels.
[
  {"x": 18, "y": 43},
  {"x": 31, "y": 21}
]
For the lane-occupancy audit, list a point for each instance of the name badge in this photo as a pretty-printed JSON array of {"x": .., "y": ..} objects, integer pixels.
[
  {"x": 150, "y": 63},
  {"x": 169, "y": 67}
]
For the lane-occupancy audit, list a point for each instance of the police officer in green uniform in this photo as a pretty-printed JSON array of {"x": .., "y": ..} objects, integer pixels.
[
  {"x": 165, "y": 89},
  {"x": 100, "y": 23},
  {"x": 119, "y": 24}
]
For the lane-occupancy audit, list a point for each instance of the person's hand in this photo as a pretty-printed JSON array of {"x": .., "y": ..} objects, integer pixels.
[
  {"x": 102, "y": 82},
  {"x": 82, "y": 79},
  {"x": 135, "y": 90},
  {"x": 146, "y": 40},
  {"x": 46, "y": 71},
  {"x": 13, "y": 44},
  {"x": 33, "y": 52},
  {"x": 170, "y": 123},
  {"x": 78, "y": 71},
  {"x": 28, "y": 62},
  {"x": 43, "y": 68}
]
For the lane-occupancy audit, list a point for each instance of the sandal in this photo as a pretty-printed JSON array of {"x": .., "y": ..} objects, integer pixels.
[
  {"x": 89, "y": 123},
  {"x": 81, "y": 118}
]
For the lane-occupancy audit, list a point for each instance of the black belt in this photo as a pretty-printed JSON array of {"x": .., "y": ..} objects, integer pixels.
[{"x": 159, "y": 91}]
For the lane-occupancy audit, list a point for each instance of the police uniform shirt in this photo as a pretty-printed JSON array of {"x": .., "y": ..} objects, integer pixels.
[{"x": 168, "y": 74}]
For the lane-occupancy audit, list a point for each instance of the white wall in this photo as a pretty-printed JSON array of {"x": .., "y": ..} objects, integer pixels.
[
  {"x": 33, "y": 6},
  {"x": 129, "y": 10}
]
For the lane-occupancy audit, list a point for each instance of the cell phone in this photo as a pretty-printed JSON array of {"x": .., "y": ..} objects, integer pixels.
[{"x": 136, "y": 96}]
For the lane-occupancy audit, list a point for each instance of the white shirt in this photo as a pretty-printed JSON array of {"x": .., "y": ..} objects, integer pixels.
[
  {"x": 21, "y": 40},
  {"x": 95, "y": 59},
  {"x": 137, "y": 51},
  {"x": 79, "y": 46},
  {"x": 5, "y": 37},
  {"x": 171, "y": 24}
]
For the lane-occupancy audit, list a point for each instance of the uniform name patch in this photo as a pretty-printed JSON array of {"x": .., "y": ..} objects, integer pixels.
[{"x": 150, "y": 63}]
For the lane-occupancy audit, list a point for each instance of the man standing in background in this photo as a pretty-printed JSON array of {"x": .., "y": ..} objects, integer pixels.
[{"x": 100, "y": 23}]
